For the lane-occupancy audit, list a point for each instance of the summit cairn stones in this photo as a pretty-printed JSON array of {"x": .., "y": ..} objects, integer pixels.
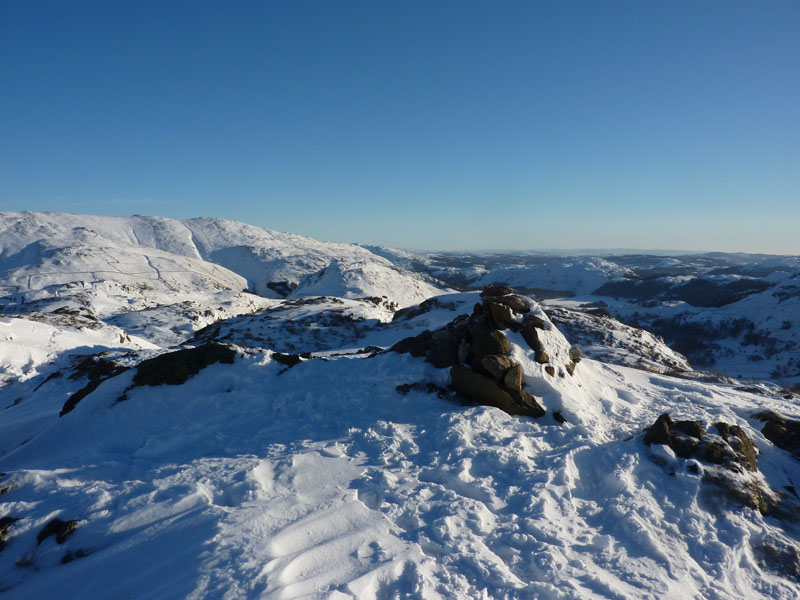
[{"x": 477, "y": 351}]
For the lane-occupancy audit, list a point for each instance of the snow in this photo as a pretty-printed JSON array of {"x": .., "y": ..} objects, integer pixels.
[
  {"x": 39, "y": 249},
  {"x": 581, "y": 275},
  {"x": 365, "y": 279},
  {"x": 26, "y": 344},
  {"x": 321, "y": 480}
]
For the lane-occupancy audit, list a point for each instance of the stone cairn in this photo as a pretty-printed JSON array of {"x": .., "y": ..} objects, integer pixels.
[{"x": 477, "y": 351}]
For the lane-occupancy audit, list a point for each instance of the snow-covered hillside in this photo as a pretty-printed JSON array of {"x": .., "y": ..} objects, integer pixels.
[
  {"x": 162, "y": 280},
  {"x": 604, "y": 338},
  {"x": 580, "y": 275},
  {"x": 166, "y": 435},
  {"x": 342, "y": 473},
  {"x": 366, "y": 279},
  {"x": 734, "y": 314},
  {"x": 42, "y": 249}
]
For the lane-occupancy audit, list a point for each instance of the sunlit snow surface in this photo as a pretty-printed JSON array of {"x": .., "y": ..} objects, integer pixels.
[
  {"x": 254, "y": 480},
  {"x": 322, "y": 481}
]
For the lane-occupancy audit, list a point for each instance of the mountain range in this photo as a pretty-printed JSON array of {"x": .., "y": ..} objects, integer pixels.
[{"x": 208, "y": 409}]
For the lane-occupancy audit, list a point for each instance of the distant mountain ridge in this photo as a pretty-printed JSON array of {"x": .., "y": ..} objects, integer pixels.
[{"x": 37, "y": 247}]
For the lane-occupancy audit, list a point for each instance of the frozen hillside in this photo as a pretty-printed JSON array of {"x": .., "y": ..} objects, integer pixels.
[
  {"x": 458, "y": 448},
  {"x": 732, "y": 313},
  {"x": 580, "y": 275},
  {"x": 366, "y": 279},
  {"x": 166, "y": 433},
  {"x": 39, "y": 249},
  {"x": 756, "y": 337},
  {"x": 163, "y": 279},
  {"x": 604, "y": 338}
]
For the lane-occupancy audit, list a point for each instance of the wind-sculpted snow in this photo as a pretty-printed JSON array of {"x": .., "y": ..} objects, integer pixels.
[
  {"x": 319, "y": 464},
  {"x": 319, "y": 479}
]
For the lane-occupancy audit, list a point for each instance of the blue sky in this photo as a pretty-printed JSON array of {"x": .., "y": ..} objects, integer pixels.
[{"x": 435, "y": 125}]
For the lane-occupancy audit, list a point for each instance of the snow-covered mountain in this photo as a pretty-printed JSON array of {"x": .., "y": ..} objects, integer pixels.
[
  {"x": 734, "y": 314},
  {"x": 42, "y": 249},
  {"x": 365, "y": 279},
  {"x": 162, "y": 279},
  {"x": 178, "y": 438}
]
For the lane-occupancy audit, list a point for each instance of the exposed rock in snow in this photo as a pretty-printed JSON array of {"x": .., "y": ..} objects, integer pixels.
[
  {"x": 604, "y": 338},
  {"x": 289, "y": 455}
]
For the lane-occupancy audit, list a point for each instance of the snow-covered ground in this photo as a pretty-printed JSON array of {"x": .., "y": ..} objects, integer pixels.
[
  {"x": 345, "y": 471},
  {"x": 322, "y": 480}
]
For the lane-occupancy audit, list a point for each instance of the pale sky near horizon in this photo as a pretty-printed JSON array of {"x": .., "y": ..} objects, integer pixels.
[{"x": 436, "y": 125}]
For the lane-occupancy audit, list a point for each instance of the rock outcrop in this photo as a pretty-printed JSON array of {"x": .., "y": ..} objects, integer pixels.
[
  {"x": 781, "y": 431},
  {"x": 175, "y": 368},
  {"x": 730, "y": 457},
  {"x": 57, "y": 527},
  {"x": 477, "y": 351}
]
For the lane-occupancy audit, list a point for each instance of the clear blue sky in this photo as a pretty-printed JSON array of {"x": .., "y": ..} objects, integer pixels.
[{"x": 437, "y": 125}]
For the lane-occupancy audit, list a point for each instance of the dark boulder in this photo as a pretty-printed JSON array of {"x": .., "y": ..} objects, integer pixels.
[
  {"x": 542, "y": 357},
  {"x": 528, "y": 405},
  {"x": 176, "y": 368},
  {"x": 289, "y": 360},
  {"x": 512, "y": 380},
  {"x": 694, "y": 429},
  {"x": 486, "y": 340},
  {"x": 409, "y": 312},
  {"x": 486, "y": 391},
  {"x": 531, "y": 336},
  {"x": 501, "y": 315},
  {"x": 731, "y": 455},
  {"x": 493, "y": 291},
  {"x": 575, "y": 354},
  {"x": 416, "y": 346},
  {"x": 57, "y": 527},
  {"x": 445, "y": 347},
  {"x": 494, "y": 365},
  {"x": 516, "y": 303},
  {"x": 660, "y": 431},
  {"x": 688, "y": 439},
  {"x": 534, "y": 321},
  {"x": 783, "y": 432},
  {"x": 5, "y": 524},
  {"x": 742, "y": 445}
]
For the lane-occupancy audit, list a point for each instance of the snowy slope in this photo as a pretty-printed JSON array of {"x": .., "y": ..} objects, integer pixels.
[
  {"x": 757, "y": 337},
  {"x": 163, "y": 279},
  {"x": 28, "y": 342},
  {"x": 38, "y": 249},
  {"x": 604, "y": 338},
  {"x": 580, "y": 275},
  {"x": 299, "y": 458},
  {"x": 366, "y": 279},
  {"x": 323, "y": 480}
]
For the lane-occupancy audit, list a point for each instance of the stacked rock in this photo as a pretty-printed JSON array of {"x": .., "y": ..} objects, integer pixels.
[{"x": 478, "y": 352}]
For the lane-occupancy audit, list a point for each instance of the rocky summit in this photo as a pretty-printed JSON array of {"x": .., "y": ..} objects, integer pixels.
[{"x": 275, "y": 417}]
